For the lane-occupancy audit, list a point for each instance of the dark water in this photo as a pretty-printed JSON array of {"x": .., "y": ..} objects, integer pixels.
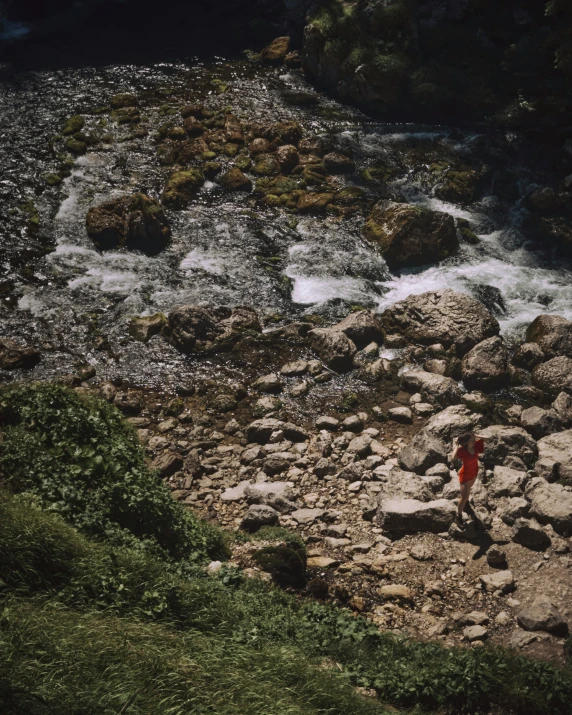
[{"x": 226, "y": 249}]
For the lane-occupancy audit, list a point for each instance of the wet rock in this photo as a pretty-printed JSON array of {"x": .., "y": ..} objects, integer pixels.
[
  {"x": 259, "y": 515},
  {"x": 542, "y": 615},
  {"x": 552, "y": 334},
  {"x": 14, "y": 356},
  {"x": 269, "y": 383},
  {"x": 362, "y": 327},
  {"x": 337, "y": 163},
  {"x": 145, "y": 327},
  {"x": 194, "y": 329},
  {"x": 259, "y": 146},
  {"x": 312, "y": 203},
  {"x": 266, "y": 165},
  {"x": 128, "y": 402},
  {"x": 334, "y": 348},
  {"x": 543, "y": 199},
  {"x": 411, "y": 516},
  {"x": 193, "y": 127},
  {"x": 441, "y": 317},
  {"x": 506, "y": 482},
  {"x": 554, "y": 375},
  {"x": 540, "y": 422},
  {"x": 410, "y": 235},
  {"x": 136, "y": 222},
  {"x": 502, "y": 442},
  {"x": 182, "y": 187},
  {"x": 528, "y": 356},
  {"x": 292, "y": 369},
  {"x": 529, "y": 533},
  {"x": 562, "y": 405},
  {"x": 402, "y": 415},
  {"x": 276, "y": 51},
  {"x": 502, "y": 581},
  {"x": 551, "y": 504},
  {"x": 423, "y": 452},
  {"x": 235, "y": 180},
  {"x": 438, "y": 389},
  {"x": 287, "y": 157},
  {"x": 486, "y": 367}
]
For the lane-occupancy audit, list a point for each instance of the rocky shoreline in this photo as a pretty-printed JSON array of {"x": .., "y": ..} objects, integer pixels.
[{"x": 365, "y": 476}]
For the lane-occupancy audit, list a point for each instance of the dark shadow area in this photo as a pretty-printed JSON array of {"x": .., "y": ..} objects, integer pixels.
[{"x": 101, "y": 32}]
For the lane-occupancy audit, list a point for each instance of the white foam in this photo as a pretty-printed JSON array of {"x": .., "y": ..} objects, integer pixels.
[
  {"x": 204, "y": 261},
  {"x": 107, "y": 281}
]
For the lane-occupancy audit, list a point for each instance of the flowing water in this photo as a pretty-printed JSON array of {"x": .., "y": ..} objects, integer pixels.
[{"x": 225, "y": 250}]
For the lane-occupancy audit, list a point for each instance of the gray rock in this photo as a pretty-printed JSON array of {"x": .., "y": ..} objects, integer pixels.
[
  {"x": 323, "y": 467},
  {"x": 555, "y": 457},
  {"x": 496, "y": 558},
  {"x": 333, "y": 347},
  {"x": 477, "y": 401},
  {"x": 437, "y": 389},
  {"x": 551, "y": 504},
  {"x": 307, "y": 516},
  {"x": 500, "y": 581},
  {"x": 542, "y": 615},
  {"x": 453, "y": 421},
  {"x": 362, "y": 328},
  {"x": 475, "y": 633},
  {"x": 351, "y": 473},
  {"x": 398, "y": 484},
  {"x": 554, "y": 376},
  {"x": 515, "y": 508},
  {"x": 412, "y": 515},
  {"x": 195, "y": 329},
  {"x": 352, "y": 424},
  {"x": 259, "y": 515},
  {"x": 292, "y": 369},
  {"x": 423, "y": 452},
  {"x": 562, "y": 405},
  {"x": 276, "y": 464},
  {"x": 167, "y": 464},
  {"x": 528, "y": 356},
  {"x": 529, "y": 533},
  {"x": 540, "y": 422},
  {"x": 504, "y": 441},
  {"x": 269, "y": 383},
  {"x": 506, "y": 482},
  {"x": 360, "y": 446},
  {"x": 438, "y": 470},
  {"x": 485, "y": 367},
  {"x": 420, "y": 552},
  {"x": 441, "y": 317},
  {"x": 260, "y": 431},
  {"x": 552, "y": 333},
  {"x": 400, "y": 414},
  {"x": 474, "y": 618},
  {"x": 266, "y": 404},
  {"x": 328, "y": 423}
]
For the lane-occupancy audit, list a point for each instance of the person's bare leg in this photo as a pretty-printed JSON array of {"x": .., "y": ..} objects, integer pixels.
[{"x": 464, "y": 498}]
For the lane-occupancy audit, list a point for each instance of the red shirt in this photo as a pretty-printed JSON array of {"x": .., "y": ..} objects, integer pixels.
[{"x": 470, "y": 467}]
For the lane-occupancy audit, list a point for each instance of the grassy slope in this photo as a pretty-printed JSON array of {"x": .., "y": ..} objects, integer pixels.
[{"x": 87, "y": 624}]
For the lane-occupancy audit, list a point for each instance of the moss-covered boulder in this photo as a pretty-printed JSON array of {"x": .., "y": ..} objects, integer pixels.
[
  {"x": 144, "y": 327},
  {"x": 266, "y": 165},
  {"x": 338, "y": 163},
  {"x": 314, "y": 203},
  {"x": 182, "y": 187},
  {"x": 136, "y": 222},
  {"x": 461, "y": 186},
  {"x": 121, "y": 101},
  {"x": 276, "y": 52},
  {"x": 235, "y": 180},
  {"x": 193, "y": 127},
  {"x": 74, "y": 124},
  {"x": 410, "y": 235},
  {"x": 75, "y": 146},
  {"x": 127, "y": 115}
]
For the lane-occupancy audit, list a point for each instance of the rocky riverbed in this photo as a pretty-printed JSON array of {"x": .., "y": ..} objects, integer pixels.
[{"x": 298, "y": 309}]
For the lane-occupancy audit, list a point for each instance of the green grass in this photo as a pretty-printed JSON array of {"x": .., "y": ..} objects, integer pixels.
[{"x": 81, "y": 459}]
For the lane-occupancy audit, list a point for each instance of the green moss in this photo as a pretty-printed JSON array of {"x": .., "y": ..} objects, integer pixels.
[
  {"x": 74, "y": 124},
  {"x": 182, "y": 187},
  {"x": 122, "y": 101},
  {"x": 469, "y": 236},
  {"x": 52, "y": 179},
  {"x": 75, "y": 146},
  {"x": 286, "y": 564}
]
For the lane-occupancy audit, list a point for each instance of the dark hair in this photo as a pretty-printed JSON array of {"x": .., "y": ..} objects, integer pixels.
[{"x": 465, "y": 438}]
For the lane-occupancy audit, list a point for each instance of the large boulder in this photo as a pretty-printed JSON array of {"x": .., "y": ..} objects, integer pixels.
[
  {"x": 453, "y": 421},
  {"x": 410, "y": 235},
  {"x": 542, "y": 615},
  {"x": 397, "y": 484},
  {"x": 136, "y": 222},
  {"x": 540, "y": 422},
  {"x": 552, "y": 333},
  {"x": 334, "y": 348},
  {"x": 362, "y": 328},
  {"x": 193, "y": 329},
  {"x": 554, "y": 375},
  {"x": 434, "y": 388},
  {"x": 423, "y": 452},
  {"x": 551, "y": 504},
  {"x": 555, "y": 457},
  {"x": 502, "y": 442},
  {"x": 409, "y": 516},
  {"x": 486, "y": 366},
  {"x": 259, "y": 515},
  {"x": 442, "y": 317},
  {"x": 275, "y": 53},
  {"x": 14, "y": 356},
  {"x": 260, "y": 431},
  {"x": 562, "y": 405}
]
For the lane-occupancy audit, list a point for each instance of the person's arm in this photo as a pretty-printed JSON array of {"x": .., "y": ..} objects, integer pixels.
[{"x": 457, "y": 447}]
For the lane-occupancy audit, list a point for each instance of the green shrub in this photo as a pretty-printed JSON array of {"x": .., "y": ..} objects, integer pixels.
[{"x": 80, "y": 458}]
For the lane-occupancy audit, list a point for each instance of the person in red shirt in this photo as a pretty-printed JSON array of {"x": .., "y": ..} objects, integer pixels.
[{"x": 469, "y": 447}]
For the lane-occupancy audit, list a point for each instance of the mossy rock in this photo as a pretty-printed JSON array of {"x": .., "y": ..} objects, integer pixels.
[
  {"x": 287, "y": 565},
  {"x": 231, "y": 149},
  {"x": 278, "y": 186},
  {"x": 243, "y": 163},
  {"x": 266, "y": 165},
  {"x": 349, "y": 195},
  {"x": 182, "y": 187},
  {"x": 52, "y": 179},
  {"x": 144, "y": 327},
  {"x": 177, "y": 134},
  {"x": 122, "y": 101},
  {"x": 235, "y": 180},
  {"x": 272, "y": 200},
  {"x": 469, "y": 236},
  {"x": 348, "y": 402},
  {"x": 461, "y": 187},
  {"x": 74, "y": 124},
  {"x": 174, "y": 407},
  {"x": 128, "y": 115},
  {"x": 211, "y": 169},
  {"x": 75, "y": 146}
]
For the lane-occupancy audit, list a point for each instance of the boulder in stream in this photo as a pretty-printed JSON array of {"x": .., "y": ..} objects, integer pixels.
[{"x": 193, "y": 329}]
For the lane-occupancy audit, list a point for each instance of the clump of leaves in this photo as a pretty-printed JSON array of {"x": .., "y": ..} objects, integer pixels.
[{"x": 80, "y": 458}]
